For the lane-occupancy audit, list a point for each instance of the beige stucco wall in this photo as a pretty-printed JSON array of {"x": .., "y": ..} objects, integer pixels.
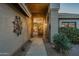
[
  {"x": 29, "y": 25},
  {"x": 9, "y": 41}
]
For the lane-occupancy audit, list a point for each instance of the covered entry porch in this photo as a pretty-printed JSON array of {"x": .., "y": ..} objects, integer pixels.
[
  {"x": 24, "y": 21},
  {"x": 44, "y": 25},
  {"x": 44, "y": 20}
]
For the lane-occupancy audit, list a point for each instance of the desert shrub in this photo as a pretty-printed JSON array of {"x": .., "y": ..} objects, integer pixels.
[
  {"x": 71, "y": 33},
  {"x": 61, "y": 42}
]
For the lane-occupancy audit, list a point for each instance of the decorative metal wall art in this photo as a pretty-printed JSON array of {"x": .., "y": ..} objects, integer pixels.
[{"x": 17, "y": 24}]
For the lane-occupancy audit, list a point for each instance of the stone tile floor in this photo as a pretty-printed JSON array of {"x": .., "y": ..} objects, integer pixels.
[
  {"x": 37, "y": 48},
  {"x": 23, "y": 50}
]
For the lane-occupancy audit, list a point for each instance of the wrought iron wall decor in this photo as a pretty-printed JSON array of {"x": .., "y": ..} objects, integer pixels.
[{"x": 17, "y": 24}]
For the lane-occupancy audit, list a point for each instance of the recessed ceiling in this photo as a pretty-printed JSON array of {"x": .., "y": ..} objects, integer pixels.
[{"x": 39, "y": 8}]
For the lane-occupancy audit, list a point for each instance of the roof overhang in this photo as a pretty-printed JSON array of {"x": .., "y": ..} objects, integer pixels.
[{"x": 25, "y": 9}]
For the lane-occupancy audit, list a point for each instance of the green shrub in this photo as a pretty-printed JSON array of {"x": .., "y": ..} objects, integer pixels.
[
  {"x": 71, "y": 33},
  {"x": 61, "y": 42}
]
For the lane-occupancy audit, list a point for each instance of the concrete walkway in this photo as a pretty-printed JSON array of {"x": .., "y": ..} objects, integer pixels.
[
  {"x": 37, "y": 48},
  {"x": 74, "y": 50}
]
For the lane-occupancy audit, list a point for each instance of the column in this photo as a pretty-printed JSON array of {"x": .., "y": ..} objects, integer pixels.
[{"x": 53, "y": 20}]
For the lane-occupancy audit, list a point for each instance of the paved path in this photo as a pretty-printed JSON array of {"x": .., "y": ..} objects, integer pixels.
[
  {"x": 37, "y": 48},
  {"x": 74, "y": 50}
]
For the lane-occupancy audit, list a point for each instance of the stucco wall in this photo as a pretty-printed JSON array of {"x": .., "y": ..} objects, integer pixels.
[
  {"x": 53, "y": 19},
  {"x": 77, "y": 22},
  {"x": 9, "y": 41},
  {"x": 29, "y": 25},
  {"x": 55, "y": 5}
]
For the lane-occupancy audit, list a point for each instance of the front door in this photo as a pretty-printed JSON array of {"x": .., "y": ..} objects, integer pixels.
[{"x": 37, "y": 27}]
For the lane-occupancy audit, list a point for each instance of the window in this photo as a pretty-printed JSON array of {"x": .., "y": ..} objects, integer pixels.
[{"x": 68, "y": 24}]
